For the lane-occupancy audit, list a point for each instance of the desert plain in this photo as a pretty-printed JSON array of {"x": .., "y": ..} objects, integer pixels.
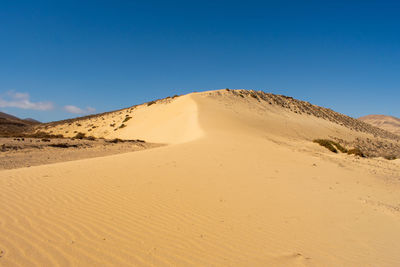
[{"x": 226, "y": 178}]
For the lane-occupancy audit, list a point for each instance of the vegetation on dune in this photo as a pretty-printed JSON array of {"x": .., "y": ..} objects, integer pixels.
[
  {"x": 331, "y": 145},
  {"x": 80, "y": 136},
  {"x": 340, "y": 147},
  {"x": 335, "y": 147},
  {"x": 390, "y": 157},
  {"x": 356, "y": 151},
  {"x": 151, "y": 103},
  {"x": 127, "y": 118}
]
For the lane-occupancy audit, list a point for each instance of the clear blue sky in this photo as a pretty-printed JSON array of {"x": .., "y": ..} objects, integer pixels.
[{"x": 105, "y": 55}]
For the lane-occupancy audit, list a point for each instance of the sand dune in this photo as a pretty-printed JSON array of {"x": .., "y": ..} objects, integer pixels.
[
  {"x": 240, "y": 184},
  {"x": 170, "y": 121}
]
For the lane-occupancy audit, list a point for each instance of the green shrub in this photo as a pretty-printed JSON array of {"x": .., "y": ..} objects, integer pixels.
[{"x": 122, "y": 126}]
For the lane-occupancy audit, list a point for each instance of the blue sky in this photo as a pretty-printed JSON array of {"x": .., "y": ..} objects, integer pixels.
[{"x": 61, "y": 59}]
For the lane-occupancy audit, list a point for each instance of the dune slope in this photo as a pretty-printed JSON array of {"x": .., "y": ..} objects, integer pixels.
[
  {"x": 241, "y": 186},
  {"x": 170, "y": 121}
]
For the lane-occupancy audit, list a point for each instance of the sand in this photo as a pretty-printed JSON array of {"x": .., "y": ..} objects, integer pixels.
[{"x": 240, "y": 184}]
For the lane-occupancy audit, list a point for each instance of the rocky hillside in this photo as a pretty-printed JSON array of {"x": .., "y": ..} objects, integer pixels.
[{"x": 11, "y": 125}]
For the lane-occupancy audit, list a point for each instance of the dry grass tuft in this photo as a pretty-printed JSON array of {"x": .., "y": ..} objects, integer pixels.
[
  {"x": 80, "y": 136},
  {"x": 331, "y": 145},
  {"x": 127, "y": 119},
  {"x": 356, "y": 151}
]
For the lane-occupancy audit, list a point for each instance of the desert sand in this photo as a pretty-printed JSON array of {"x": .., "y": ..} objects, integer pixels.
[{"x": 240, "y": 183}]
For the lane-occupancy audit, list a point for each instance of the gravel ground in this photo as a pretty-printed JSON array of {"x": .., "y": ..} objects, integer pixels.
[{"x": 26, "y": 152}]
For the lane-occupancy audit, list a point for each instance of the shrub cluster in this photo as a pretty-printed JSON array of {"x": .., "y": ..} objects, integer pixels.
[
  {"x": 117, "y": 140},
  {"x": 42, "y": 135},
  {"x": 331, "y": 145}
]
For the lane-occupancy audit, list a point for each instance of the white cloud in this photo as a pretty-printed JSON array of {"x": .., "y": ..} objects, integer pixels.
[
  {"x": 22, "y": 100},
  {"x": 77, "y": 110},
  {"x": 73, "y": 109},
  {"x": 91, "y": 110},
  {"x": 13, "y": 99}
]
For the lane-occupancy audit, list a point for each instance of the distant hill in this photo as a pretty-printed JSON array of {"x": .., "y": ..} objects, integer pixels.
[
  {"x": 388, "y": 123},
  {"x": 11, "y": 125},
  {"x": 32, "y": 120},
  {"x": 7, "y": 116}
]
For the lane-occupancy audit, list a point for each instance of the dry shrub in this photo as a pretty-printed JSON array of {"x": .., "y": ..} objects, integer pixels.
[
  {"x": 390, "y": 157},
  {"x": 151, "y": 103},
  {"x": 331, "y": 145},
  {"x": 80, "y": 136},
  {"x": 127, "y": 119},
  {"x": 356, "y": 151}
]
